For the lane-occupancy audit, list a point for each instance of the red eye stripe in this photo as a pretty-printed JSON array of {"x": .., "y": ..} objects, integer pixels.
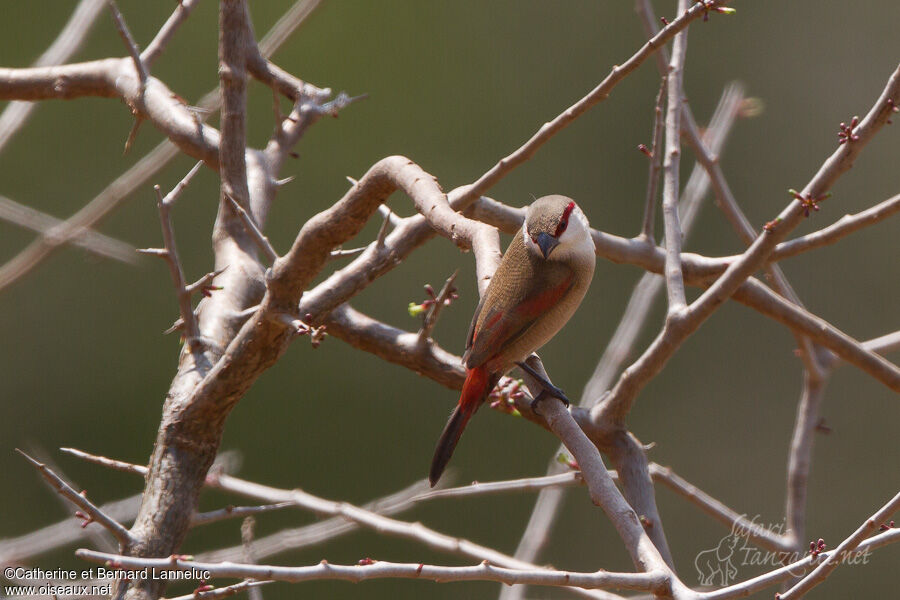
[{"x": 564, "y": 222}]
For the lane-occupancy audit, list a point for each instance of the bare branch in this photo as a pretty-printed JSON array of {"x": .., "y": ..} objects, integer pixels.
[
  {"x": 235, "y": 512},
  {"x": 751, "y": 586},
  {"x": 839, "y": 229},
  {"x": 720, "y": 512},
  {"x": 671, "y": 166},
  {"x": 343, "y": 510},
  {"x": 191, "y": 329},
  {"x": 443, "y": 298},
  {"x": 266, "y": 72},
  {"x": 526, "y": 484},
  {"x": 224, "y": 592},
  {"x": 130, "y": 44},
  {"x": 620, "y": 345},
  {"x": 366, "y": 570},
  {"x": 884, "y": 344},
  {"x": 666, "y": 344},
  {"x": 156, "y": 47},
  {"x": 92, "y": 512},
  {"x": 594, "y": 97},
  {"x": 316, "y": 533},
  {"x": 395, "y": 345},
  {"x": 850, "y": 544},
  {"x": 24, "y": 548},
  {"x": 66, "y": 43},
  {"x": 726, "y": 201},
  {"x": 261, "y": 240},
  {"x": 655, "y": 156},
  {"x": 92, "y": 241},
  {"x": 604, "y": 493}
]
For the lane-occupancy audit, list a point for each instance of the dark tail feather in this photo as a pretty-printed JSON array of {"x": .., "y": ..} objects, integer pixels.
[
  {"x": 447, "y": 442},
  {"x": 477, "y": 386}
]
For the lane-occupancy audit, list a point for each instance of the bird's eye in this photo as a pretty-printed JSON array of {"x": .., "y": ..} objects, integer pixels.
[
  {"x": 561, "y": 227},
  {"x": 534, "y": 240}
]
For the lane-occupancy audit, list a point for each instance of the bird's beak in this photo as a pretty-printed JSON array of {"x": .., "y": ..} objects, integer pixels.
[{"x": 546, "y": 243}]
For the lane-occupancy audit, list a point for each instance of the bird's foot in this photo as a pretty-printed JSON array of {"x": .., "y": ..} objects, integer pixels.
[{"x": 549, "y": 388}]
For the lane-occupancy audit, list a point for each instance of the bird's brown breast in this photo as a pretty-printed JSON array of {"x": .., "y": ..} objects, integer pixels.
[{"x": 527, "y": 302}]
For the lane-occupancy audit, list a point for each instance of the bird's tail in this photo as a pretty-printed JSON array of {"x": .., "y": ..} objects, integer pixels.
[{"x": 476, "y": 388}]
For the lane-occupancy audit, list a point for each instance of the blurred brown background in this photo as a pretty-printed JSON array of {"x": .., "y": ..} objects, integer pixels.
[{"x": 455, "y": 86}]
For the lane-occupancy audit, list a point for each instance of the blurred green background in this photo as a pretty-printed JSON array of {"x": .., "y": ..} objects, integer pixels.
[{"x": 455, "y": 86}]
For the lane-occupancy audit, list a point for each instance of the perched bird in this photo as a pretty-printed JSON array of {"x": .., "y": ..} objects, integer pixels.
[{"x": 540, "y": 282}]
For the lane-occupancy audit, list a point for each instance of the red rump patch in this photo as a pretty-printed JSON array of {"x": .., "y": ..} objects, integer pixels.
[{"x": 564, "y": 222}]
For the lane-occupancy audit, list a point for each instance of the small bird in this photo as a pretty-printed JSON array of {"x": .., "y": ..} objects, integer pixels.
[{"x": 540, "y": 282}]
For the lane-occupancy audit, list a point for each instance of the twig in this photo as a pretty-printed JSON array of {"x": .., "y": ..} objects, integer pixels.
[
  {"x": 235, "y": 512},
  {"x": 444, "y": 297},
  {"x": 839, "y": 229},
  {"x": 751, "y": 586},
  {"x": 24, "y": 548},
  {"x": 204, "y": 284},
  {"x": 884, "y": 344},
  {"x": 526, "y": 484},
  {"x": 703, "y": 271},
  {"x": 368, "y": 569},
  {"x": 261, "y": 240},
  {"x": 164, "y": 204},
  {"x": 92, "y": 512},
  {"x": 595, "y": 96},
  {"x": 132, "y": 134},
  {"x": 389, "y": 219},
  {"x": 296, "y": 538},
  {"x": 224, "y": 592},
  {"x": 655, "y": 156},
  {"x": 730, "y": 518},
  {"x": 833, "y": 559},
  {"x": 248, "y": 529},
  {"x": 414, "y": 231},
  {"x": 130, "y": 44},
  {"x": 92, "y": 241},
  {"x": 671, "y": 165},
  {"x": 341, "y": 253},
  {"x": 800, "y": 455},
  {"x": 165, "y": 34},
  {"x": 763, "y": 537},
  {"x": 265, "y": 71},
  {"x": 395, "y": 345}
]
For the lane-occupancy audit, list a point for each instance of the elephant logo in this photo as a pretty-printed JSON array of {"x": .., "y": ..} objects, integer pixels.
[{"x": 717, "y": 561}]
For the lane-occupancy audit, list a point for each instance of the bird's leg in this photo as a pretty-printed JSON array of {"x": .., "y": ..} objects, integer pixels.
[{"x": 545, "y": 383}]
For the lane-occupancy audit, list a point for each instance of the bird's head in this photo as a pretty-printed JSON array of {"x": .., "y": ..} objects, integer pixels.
[{"x": 556, "y": 229}]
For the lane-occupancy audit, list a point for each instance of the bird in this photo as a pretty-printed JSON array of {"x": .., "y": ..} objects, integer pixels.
[{"x": 542, "y": 278}]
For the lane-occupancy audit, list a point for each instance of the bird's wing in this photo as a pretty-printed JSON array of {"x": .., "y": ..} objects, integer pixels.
[{"x": 506, "y": 318}]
